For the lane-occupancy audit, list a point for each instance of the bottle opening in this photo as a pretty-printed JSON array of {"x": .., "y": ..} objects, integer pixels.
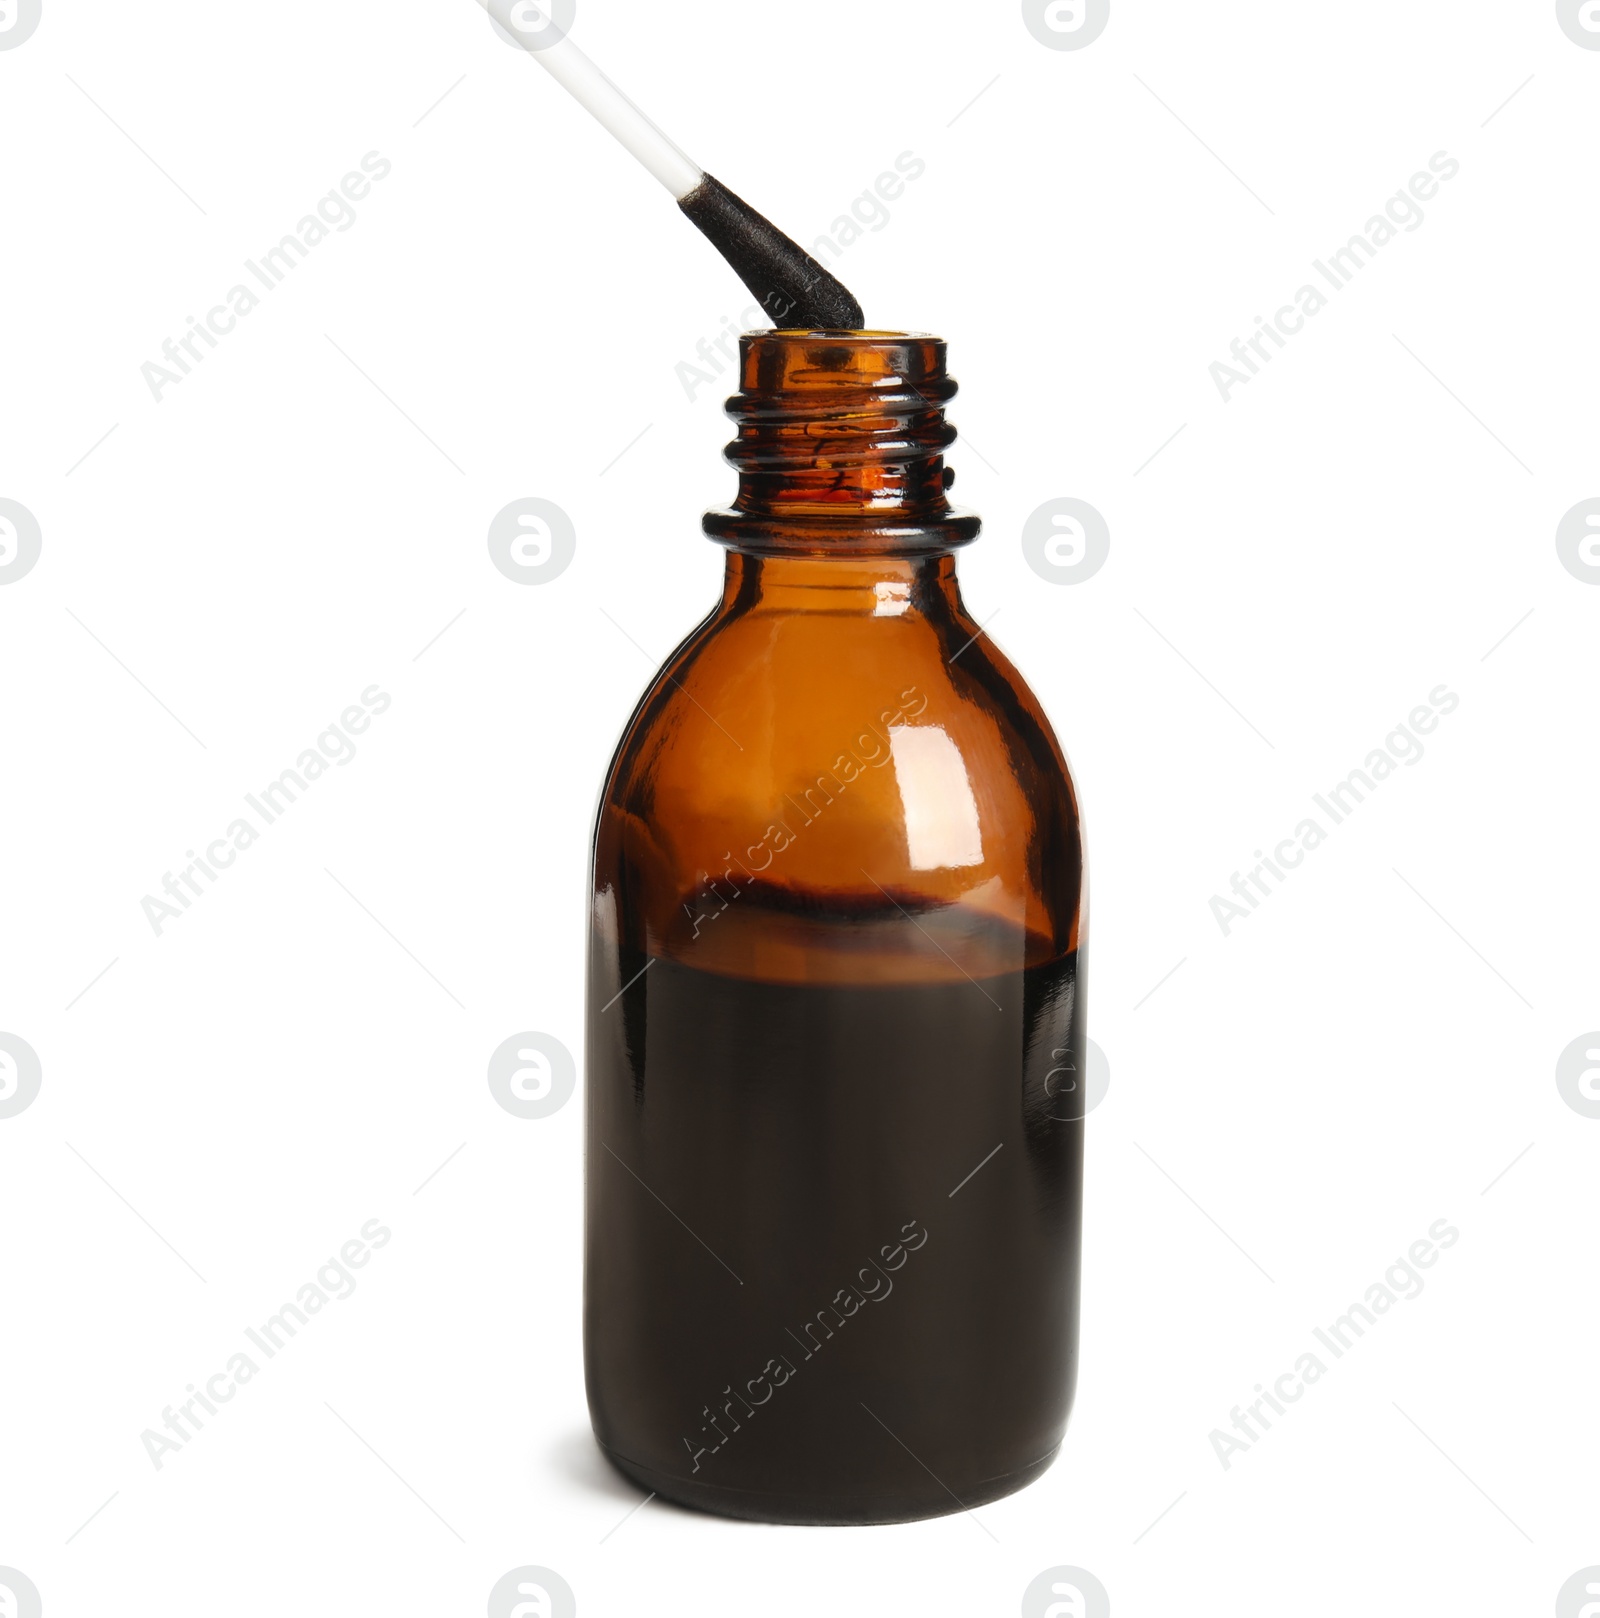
[{"x": 848, "y": 334}]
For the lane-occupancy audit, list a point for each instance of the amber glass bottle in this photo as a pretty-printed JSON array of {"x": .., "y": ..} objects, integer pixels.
[{"x": 835, "y": 1024}]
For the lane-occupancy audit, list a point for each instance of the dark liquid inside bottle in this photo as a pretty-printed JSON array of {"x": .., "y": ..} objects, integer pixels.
[{"x": 832, "y": 1251}]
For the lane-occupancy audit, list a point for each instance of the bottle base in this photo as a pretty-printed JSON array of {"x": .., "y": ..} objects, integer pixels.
[{"x": 811, "y": 1511}]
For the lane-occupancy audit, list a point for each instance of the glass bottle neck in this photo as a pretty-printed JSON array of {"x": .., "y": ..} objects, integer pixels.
[
  {"x": 840, "y": 448},
  {"x": 873, "y": 586}
]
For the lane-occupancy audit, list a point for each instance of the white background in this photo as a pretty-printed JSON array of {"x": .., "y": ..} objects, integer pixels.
[{"x": 1365, "y": 521}]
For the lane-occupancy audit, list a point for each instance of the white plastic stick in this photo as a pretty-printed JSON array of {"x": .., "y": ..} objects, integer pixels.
[{"x": 529, "y": 24}]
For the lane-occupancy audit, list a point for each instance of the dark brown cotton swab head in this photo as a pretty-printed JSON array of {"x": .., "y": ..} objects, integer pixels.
[{"x": 791, "y": 286}]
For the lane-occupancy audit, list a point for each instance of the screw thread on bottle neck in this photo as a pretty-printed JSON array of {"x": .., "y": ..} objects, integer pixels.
[{"x": 840, "y": 447}]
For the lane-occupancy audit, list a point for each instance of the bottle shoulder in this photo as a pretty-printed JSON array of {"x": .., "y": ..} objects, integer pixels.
[
  {"x": 863, "y": 762},
  {"x": 748, "y": 697}
]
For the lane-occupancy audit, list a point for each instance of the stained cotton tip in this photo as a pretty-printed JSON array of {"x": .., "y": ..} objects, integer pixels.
[{"x": 790, "y": 285}]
